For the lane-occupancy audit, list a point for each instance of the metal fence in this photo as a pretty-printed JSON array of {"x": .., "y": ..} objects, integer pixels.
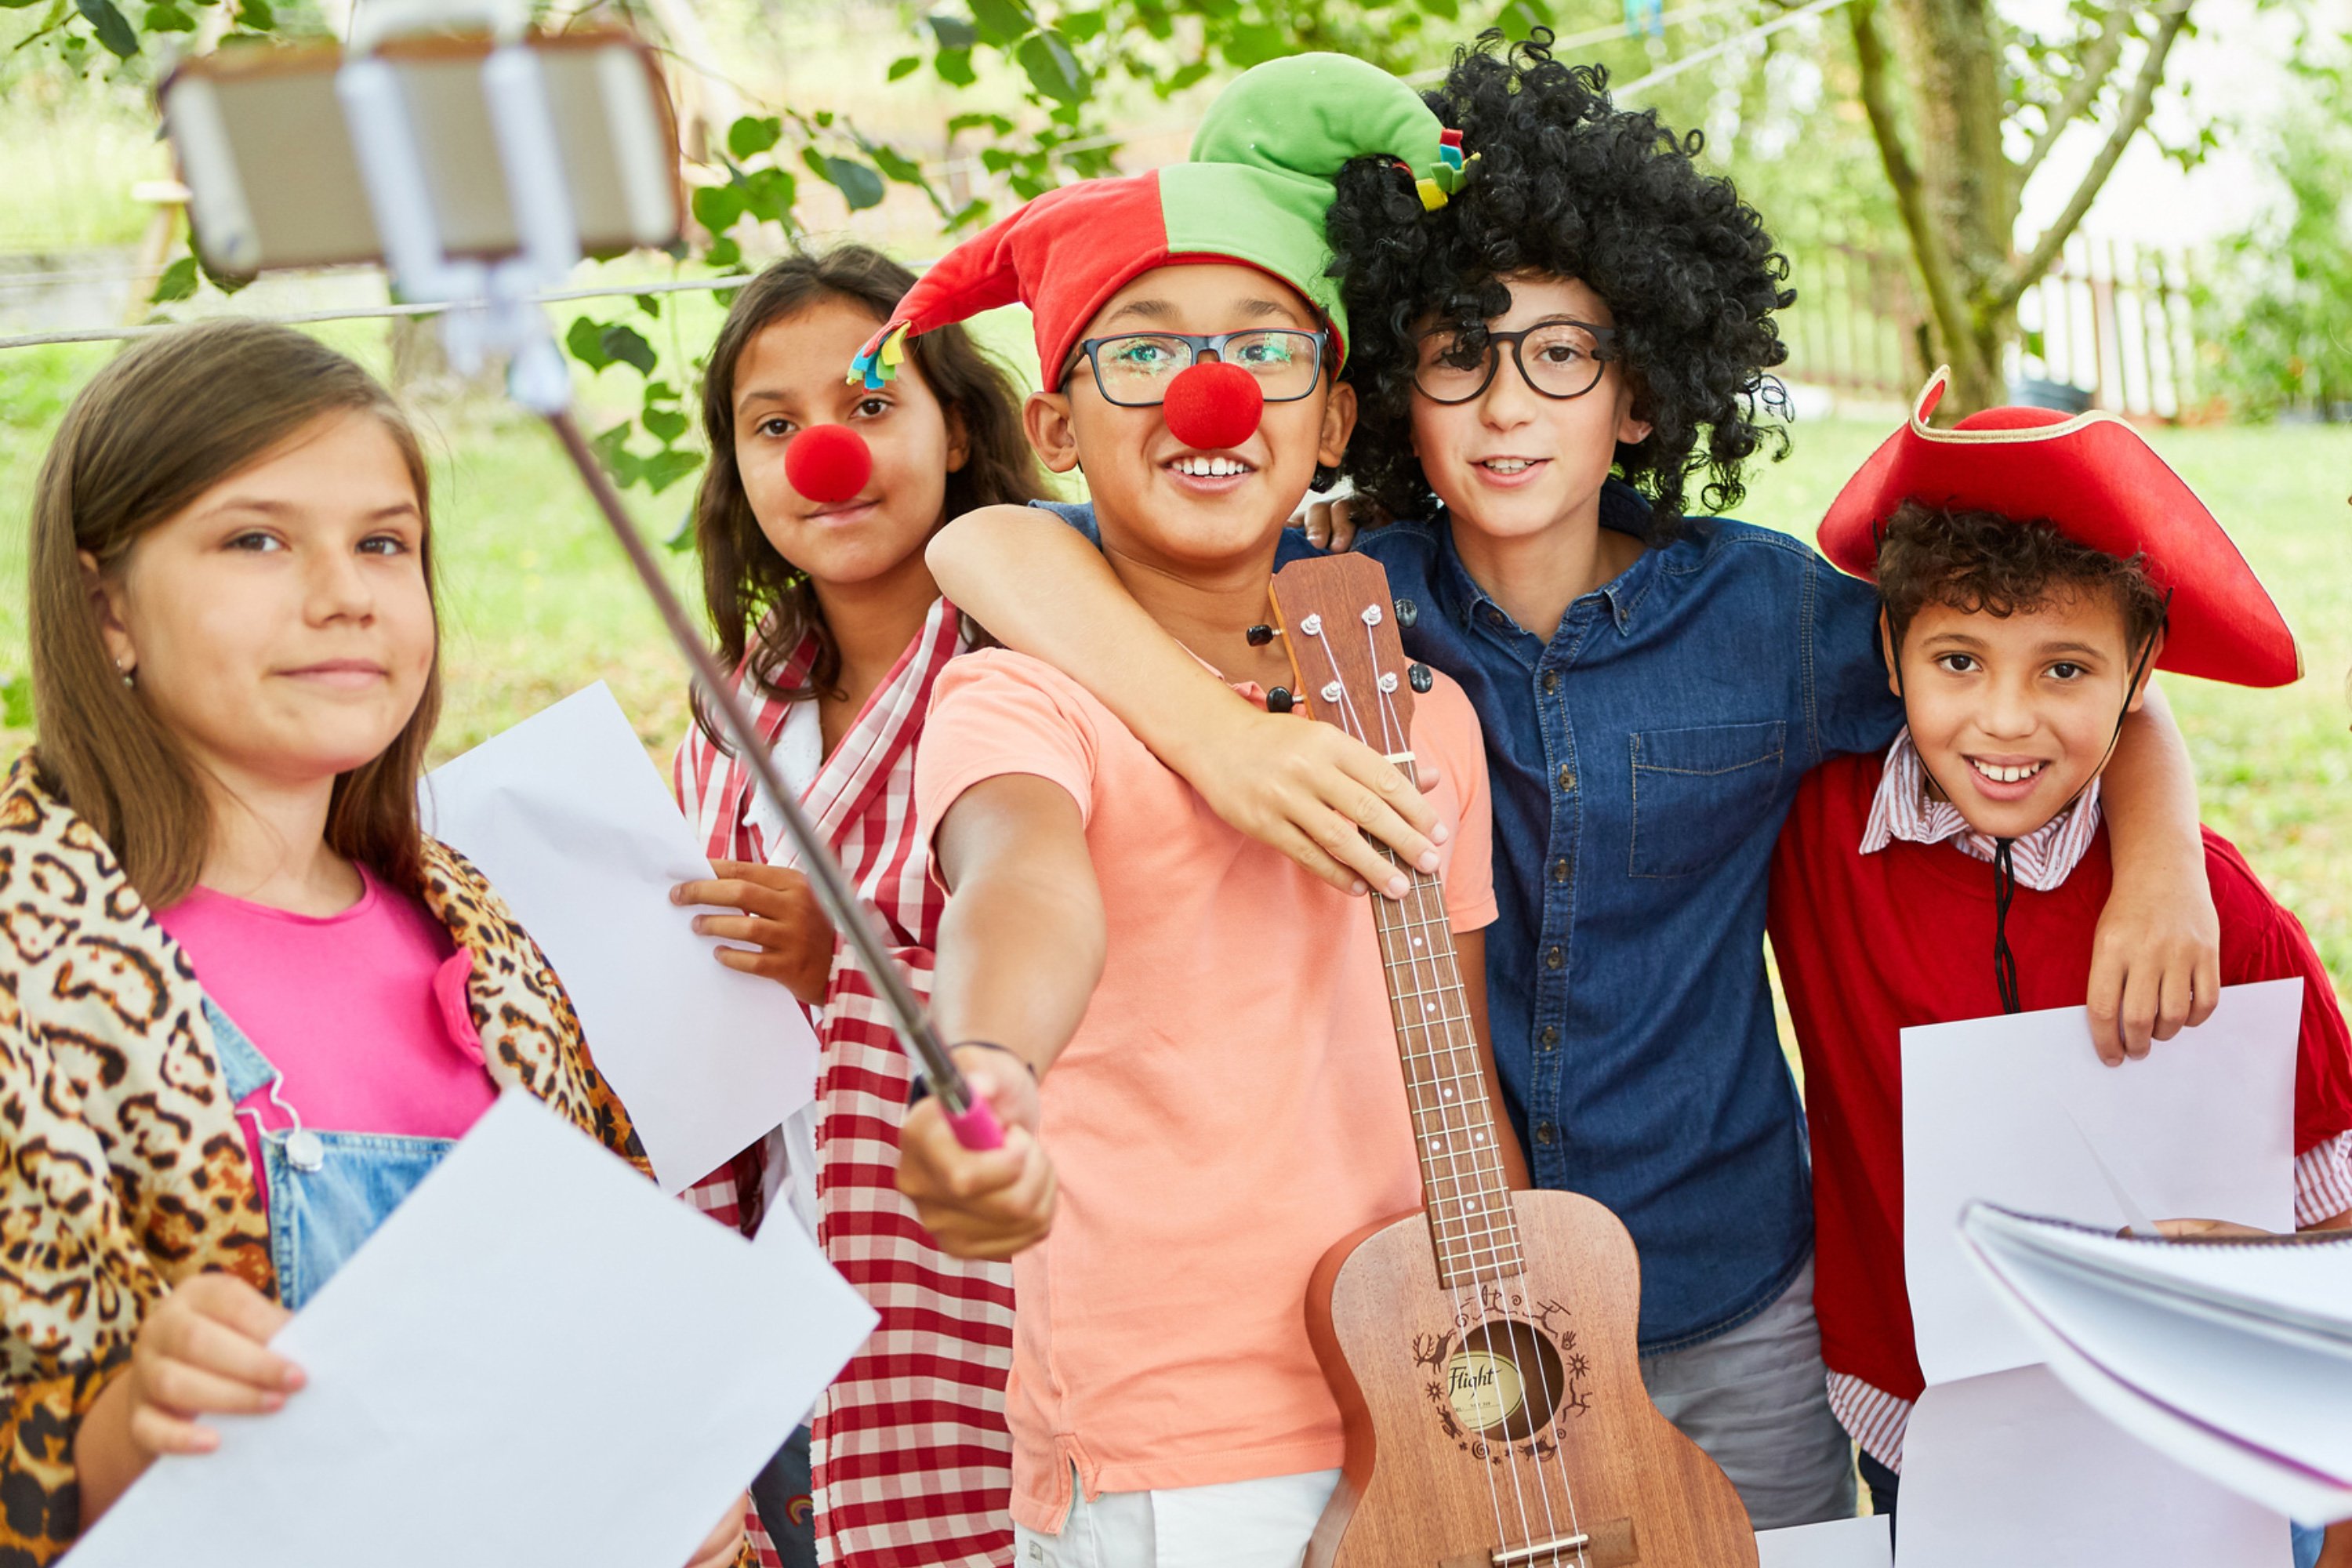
[{"x": 2111, "y": 324}]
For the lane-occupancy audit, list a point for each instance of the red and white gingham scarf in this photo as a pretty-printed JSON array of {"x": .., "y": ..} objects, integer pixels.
[{"x": 913, "y": 1465}]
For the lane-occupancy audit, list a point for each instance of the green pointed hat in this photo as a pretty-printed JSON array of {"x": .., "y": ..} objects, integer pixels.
[{"x": 1254, "y": 190}]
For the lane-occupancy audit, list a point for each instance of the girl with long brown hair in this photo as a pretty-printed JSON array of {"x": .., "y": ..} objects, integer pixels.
[
  {"x": 251, "y": 1005},
  {"x": 819, "y": 597}
]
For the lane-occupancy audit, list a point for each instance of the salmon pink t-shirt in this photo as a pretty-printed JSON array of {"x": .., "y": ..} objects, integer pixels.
[
  {"x": 362, "y": 1012},
  {"x": 1230, "y": 1105}
]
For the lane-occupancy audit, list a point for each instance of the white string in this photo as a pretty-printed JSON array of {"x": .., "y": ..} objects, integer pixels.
[
  {"x": 1342, "y": 703},
  {"x": 1385, "y": 684},
  {"x": 1682, "y": 63}
]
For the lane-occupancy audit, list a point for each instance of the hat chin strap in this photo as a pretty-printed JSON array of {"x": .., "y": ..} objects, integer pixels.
[{"x": 2004, "y": 868}]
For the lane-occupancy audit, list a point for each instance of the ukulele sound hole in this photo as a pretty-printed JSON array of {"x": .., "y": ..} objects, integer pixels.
[{"x": 1504, "y": 1381}]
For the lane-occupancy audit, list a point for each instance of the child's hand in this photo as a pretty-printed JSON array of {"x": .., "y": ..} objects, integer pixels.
[
  {"x": 725, "y": 1541},
  {"x": 790, "y": 940},
  {"x": 2206, "y": 1229},
  {"x": 981, "y": 1203},
  {"x": 2156, "y": 963},
  {"x": 204, "y": 1351},
  {"x": 1312, "y": 790},
  {"x": 1333, "y": 525}
]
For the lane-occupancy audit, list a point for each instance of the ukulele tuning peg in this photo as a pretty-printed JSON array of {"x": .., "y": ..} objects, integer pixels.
[
  {"x": 1407, "y": 612},
  {"x": 1420, "y": 676},
  {"x": 1259, "y": 636},
  {"x": 1280, "y": 700}
]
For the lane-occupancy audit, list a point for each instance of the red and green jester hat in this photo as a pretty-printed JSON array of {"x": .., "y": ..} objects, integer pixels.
[{"x": 1254, "y": 190}]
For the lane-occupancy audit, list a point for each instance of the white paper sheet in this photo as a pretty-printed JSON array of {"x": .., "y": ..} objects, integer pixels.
[
  {"x": 575, "y": 829},
  {"x": 1839, "y": 1544},
  {"x": 538, "y": 1359},
  {"x": 2000, "y": 1109},
  {"x": 2011, "y": 1469}
]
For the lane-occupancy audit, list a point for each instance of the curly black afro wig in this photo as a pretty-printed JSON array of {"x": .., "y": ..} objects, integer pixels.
[{"x": 1569, "y": 184}]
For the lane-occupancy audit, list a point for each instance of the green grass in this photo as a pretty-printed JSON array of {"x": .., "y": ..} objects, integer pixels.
[{"x": 537, "y": 601}]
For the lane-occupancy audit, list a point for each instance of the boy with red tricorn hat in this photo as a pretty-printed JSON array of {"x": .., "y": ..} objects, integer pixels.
[
  {"x": 1197, "y": 1028},
  {"x": 2033, "y": 570}
]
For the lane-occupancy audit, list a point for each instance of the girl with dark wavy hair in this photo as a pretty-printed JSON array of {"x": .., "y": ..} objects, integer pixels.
[
  {"x": 1545, "y": 362},
  {"x": 824, "y": 607}
]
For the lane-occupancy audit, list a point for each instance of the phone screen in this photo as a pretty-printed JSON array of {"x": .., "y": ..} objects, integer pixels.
[{"x": 274, "y": 182}]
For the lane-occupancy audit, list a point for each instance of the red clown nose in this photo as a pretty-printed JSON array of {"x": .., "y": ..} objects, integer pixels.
[
  {"x": 828, "y": 463},
  {"x": 1214, "y": 405}
]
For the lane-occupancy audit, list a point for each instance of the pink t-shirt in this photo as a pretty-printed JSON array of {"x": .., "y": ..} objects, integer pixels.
[
  {"x": 1230, "y": 1105},
  {"x": 362, "y": 1012}
]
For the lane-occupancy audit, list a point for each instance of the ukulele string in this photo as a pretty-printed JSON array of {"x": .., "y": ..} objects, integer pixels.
[
  {"x": 1398, "y": 741},
  {"x": 1341, "y": 702}
]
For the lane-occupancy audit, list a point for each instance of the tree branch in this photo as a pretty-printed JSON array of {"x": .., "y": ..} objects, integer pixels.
[
  {"x": 2137, "y": 104},
  {"x": 2099, "y": 63},
  {"x": 1902, "y": 175}
]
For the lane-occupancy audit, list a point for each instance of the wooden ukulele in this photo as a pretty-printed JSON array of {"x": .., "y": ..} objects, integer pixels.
[{"x": 1481, "y": 1348}]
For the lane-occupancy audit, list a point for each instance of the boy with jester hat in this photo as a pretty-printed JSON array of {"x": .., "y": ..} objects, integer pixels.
[
  {"x": 1544, "y": 364},
  {"x": 1187, "y": 1035},
  {"x": 2031, "y": 570}
]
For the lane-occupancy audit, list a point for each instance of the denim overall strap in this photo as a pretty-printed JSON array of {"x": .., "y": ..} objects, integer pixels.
[{"x": 327, "y": 1191}]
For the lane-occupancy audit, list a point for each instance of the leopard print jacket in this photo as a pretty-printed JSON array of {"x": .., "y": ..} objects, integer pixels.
[{"x": 124, "y": 1168}]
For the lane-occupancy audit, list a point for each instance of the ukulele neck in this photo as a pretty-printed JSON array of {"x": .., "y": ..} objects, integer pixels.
[{"x": 1463, "y": 1185}]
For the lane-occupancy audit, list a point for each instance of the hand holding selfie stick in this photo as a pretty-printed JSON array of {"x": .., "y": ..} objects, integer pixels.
[{"x": 494, "y": 311}]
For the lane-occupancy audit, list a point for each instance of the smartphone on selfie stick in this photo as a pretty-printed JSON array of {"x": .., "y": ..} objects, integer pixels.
[{"x": 479, "y": 166}]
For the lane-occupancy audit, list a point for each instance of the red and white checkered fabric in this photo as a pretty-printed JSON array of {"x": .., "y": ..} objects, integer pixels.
[{"x": 912, "y": 1462}]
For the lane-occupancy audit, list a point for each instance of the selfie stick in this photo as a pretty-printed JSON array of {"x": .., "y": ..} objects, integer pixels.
[{"x": 492, "y": 312}]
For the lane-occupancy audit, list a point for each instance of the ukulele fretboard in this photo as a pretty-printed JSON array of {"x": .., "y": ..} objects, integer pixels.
[{"x": 1468, "y": 1197}]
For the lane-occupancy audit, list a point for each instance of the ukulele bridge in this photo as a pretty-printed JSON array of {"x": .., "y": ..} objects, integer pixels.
[{"x": 1608, "y": 1545}]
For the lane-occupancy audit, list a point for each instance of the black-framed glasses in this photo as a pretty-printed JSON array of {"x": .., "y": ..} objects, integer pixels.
[
  {"x": 1133, "y": 369},
  {"x": 1559, "y": 359}
]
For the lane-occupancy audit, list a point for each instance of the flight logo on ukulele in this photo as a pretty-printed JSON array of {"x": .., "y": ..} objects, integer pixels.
[{"x": 1505, "y": 1375}]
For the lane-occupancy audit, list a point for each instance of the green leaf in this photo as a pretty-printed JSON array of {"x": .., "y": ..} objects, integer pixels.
[
  {"x": 954, "y": 67},
  {"x": 664, "y": 424},
  {"x": 178, "y": 281},
  {"x": 896, "y": 166},
  {"x": 1520, "y": 19},
  {"x": 752, "y": 135},
  {"x": 1450, "y": 10},
  {"x": 586, "y": 341},
  {"x": 665, "y": 468},
  {"x": 1254, "y": 43},
  {"x": 1001, "y": 21},
  {"x": 660, "y": 392},
  {"x": 857, "y": 182},
  {"x": 16, "y": 703},
  {"x": 1187, "y": 75},
  {"x": 1053, "y": 71},
  {"x": 628, "y": 346},
  {"x": 650, "y": 304},
  {"x": 255, "y": 15},
  {"x": 953, "y": 32},
  {"x": 716, "y": 207},
  {"x": 1079, "y": 25},
  {"x": 165, "y": 18},
  {"x": 905, "y": 66},
  {"x": 768, "y": 195},
  {"x": 964, "y": 122},
  {"x": 723, "y": 254},
  {"x": 110, "y": 27}
]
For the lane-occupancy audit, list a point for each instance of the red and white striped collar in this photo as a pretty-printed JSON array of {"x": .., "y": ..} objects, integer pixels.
[{"x": 1905, "y": 809}]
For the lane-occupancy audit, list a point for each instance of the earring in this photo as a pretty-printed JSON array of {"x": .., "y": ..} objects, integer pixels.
[{"x": 128, "y": 678}]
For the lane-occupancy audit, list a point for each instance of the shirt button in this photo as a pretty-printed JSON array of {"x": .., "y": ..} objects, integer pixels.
[
  {"x": 1551, "y": 680},
  {"x": 1559, "y": 869},
  {"x": 1554, "y": 958},
  {"x": 1549, "y": 1037},
  {"x": 1546, "y": 1134},
  {"x": 1493, "y": 616},
  {"x": 1567, "y": 781}
]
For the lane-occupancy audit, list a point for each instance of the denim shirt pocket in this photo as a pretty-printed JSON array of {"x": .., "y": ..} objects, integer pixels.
[{"x": 1699, "y": 793}]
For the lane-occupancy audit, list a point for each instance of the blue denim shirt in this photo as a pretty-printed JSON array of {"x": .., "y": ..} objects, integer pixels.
[{"x": 1641, "y": 758}]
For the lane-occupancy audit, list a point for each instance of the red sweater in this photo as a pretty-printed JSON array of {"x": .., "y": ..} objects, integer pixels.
[{"x": 1869, "y": 945}]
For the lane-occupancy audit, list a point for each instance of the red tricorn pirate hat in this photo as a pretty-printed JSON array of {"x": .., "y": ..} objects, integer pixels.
[{"x": 2093, "y": 478}]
